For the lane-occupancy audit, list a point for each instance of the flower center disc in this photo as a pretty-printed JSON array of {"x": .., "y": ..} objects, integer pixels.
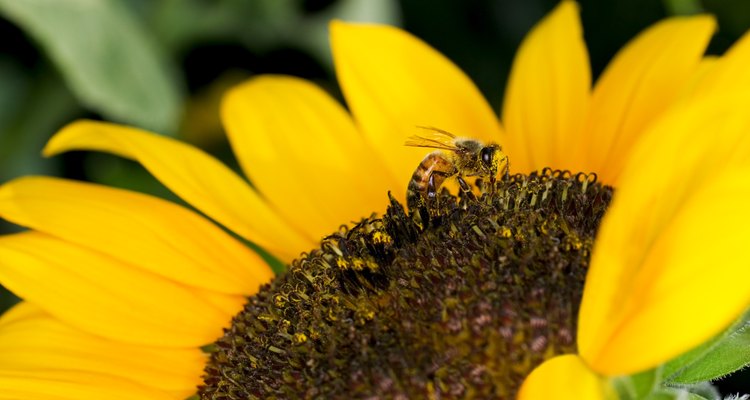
[{"x": 464, "y": 305}]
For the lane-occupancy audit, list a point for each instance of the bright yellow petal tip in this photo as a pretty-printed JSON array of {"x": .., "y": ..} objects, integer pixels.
[
  {"x": 393, "y": 82},
  {"x": 669, "y": 269},
  {"x": 564, "y": 378},
  {"x": 730, "y": 71},
  {"x": 192, "y": 174},
  {"x": 173, "y": 241},
  {"x": 315, "y": 168},
  {"x": 547, "y": 99},
  {"x": 642, "y": 81}
]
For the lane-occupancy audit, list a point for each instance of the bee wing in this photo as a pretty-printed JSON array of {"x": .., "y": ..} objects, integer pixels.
[
  {"x": 435, "y": 139},
  {"x": 437, "y": 131}
]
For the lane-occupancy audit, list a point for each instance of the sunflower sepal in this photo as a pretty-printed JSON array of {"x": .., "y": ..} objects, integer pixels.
[
  {"x": 650, "y": 385},
  {"x": 637, "y": 386},
  {"x": 724, "y": 354}
]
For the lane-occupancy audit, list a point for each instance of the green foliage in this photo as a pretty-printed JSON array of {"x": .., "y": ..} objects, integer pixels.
[
  {"x": 683, "y": 7},
  {"x": 688, "y": 376},
  {"x": 110, "y": 63},
  {"x": 638, "y": 386},
  {"x": 649, "y": 385},
  {"x": 32, "y": 105},
  {"x": 726, "y": 353},
  {"x": 260, "y": 25}
]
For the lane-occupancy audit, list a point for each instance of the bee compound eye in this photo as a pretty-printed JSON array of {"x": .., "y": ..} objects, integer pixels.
[{"x": 486, "y": 154}]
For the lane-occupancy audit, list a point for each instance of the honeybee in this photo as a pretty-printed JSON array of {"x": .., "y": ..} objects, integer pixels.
[{"x": 455, "y": 157}]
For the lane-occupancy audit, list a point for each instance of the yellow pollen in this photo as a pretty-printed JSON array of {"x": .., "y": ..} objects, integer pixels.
[
  {"x": 381, "y": 237},
  {"x": 300, "y": 338}
]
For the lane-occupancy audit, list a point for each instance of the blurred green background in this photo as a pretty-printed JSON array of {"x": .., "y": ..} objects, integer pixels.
[{"x": 162, "y": 65}]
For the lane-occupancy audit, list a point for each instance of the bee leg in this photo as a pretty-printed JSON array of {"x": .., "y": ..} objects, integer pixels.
[
  {"x": 465, "y": 188},
  {"x": 506, "y": 169},
  {"x": 434, "y": 183},
  {"x": 432, "y": 188}
]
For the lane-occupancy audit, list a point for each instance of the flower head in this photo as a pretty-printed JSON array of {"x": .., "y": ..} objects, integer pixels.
[{"x": 109, "y": 275}]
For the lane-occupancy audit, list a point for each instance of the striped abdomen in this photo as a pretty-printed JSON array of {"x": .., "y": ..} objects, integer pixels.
[{"x": 427, "y": 179}]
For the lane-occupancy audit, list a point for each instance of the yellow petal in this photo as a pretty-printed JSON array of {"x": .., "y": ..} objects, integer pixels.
[
  {"x": 563, "y": 378},
  {"x": 301, "y": 150},
  {"x": 547, "y": 99},
  {"x": 72, "y": 385},
  {"x": 147, "y": 232},
  {"x": 100, "y": 295},
  {"x": 31, "y": 340},
  {"x": 198, "y": 178},
  {"x": 697, "y": 79},
  {"x": 730, "y": 71},
  {"x": 393, "y": 82},
  {"x": 669, "y": 269},
  {"x": 226, "y": 304},
  {"x": 643, "y": 80}
]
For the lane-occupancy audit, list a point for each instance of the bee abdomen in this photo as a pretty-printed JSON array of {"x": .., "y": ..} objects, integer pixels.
[{"x": 427, "y": 178}]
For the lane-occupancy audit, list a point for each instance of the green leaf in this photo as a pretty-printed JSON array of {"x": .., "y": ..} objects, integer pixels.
[
  {"x": 702, "y": 390},
  {"x": 37, "y": 109},
  {"x": 694, "y": 392},
  {"x": 683, "y": 7},
  {"x": 645, "y": 382},
  {"x": 726, "y": 353},
  {"x": 105, "y": 56},
  {"x": 693, "y": 396},
  {"x": 638, "y": 386},
  {"x": 650, "y": 385},
  {"x": 15, "y": 83}
]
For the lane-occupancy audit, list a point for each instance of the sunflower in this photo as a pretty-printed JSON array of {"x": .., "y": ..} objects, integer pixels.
[{"x": 123, "y": 292}]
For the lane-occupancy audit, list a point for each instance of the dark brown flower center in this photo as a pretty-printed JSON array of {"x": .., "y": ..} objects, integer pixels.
[{"x": 463, "y": 307}]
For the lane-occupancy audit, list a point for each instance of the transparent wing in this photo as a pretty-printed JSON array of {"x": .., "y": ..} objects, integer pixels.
[{"x": 434, "y": 138}]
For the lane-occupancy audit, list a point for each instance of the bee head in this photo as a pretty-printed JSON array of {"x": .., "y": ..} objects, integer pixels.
[{"x": 490, "y": 157}]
